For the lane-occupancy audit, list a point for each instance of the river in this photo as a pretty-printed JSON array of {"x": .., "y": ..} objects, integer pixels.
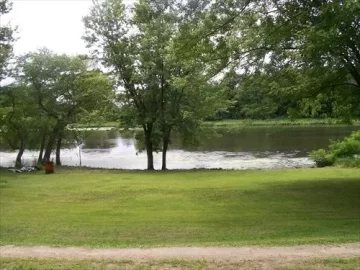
[{"x": 248, "y": 148}]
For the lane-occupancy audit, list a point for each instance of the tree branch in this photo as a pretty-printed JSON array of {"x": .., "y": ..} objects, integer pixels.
[{"x": 328, "y": 86}]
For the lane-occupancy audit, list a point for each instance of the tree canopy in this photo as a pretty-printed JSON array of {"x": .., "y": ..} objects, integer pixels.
[
  {"x": 300, "y": 50},
  {"x": 158, "y": 90},
  {"x": 50, "y": 92},
  {"x": 6, "y": 39}
]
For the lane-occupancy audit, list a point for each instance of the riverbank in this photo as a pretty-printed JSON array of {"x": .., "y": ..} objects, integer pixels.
[
  {"x": 240, "y": 123},
  {"x": 100, "y": 208}
]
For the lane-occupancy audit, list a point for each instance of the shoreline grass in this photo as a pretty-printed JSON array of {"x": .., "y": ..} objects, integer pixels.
[
  {"x": 96, "y": 125},
  {"x": 233, "y": 123},
  {"x": 100, "y": 208},
  {"x": 241, "y": 123}
]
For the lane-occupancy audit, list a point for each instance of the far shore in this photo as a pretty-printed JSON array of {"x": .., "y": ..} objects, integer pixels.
[{"x": 232, "y": 123}]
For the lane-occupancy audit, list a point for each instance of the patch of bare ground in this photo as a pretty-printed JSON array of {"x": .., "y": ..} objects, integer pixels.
[{"x": 231, "y": 254}]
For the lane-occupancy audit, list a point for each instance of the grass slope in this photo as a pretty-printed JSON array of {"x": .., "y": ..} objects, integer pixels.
[{"x": 122, "y": 209}]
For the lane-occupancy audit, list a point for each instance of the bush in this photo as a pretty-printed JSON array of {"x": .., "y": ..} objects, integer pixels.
[
  {"x": 349, "y": 147},
  {"x": 348, "y": 162},
  {"x": 322, "y": 158},
  {"x": 340, "y": 152}
]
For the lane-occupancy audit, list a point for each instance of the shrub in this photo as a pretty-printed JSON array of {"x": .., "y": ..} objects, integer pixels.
[
  {"x": 348, "y": 162},
  {"x": 322, "y": 158},
  {"x": 349, "y": 147},
  {"x": 340, "y": 152}
]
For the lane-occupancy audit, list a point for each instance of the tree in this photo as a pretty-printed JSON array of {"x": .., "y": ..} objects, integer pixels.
[
  {"x": 6, "y": 39},
  {"x": 299, "y": 49},
  {"x": 159, "y": 90},
  {"x": 304, "y": 48},
  {"x": 18, "y": 123},
  {"x": 64, "y": 88},
  {"x": 316, "y": 48}
]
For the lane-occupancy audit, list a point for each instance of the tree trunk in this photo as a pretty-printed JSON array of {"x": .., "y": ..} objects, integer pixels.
[
  {"x": 166, "y": 140},
  {"x": 355, "y": 74},
  {"x": 19, "y": 155},
  {"x": 165, "y": 137},
  {"x": 164, "y": 151},
  {"x": 58, "y": 148},
  {"x": 149, "y": 150},
  {"x": 352, "y": 69},
  {"x": 52, "y": 140},
  {"x": 42, "y": 146},
  {"x": 49, "y": 147}
]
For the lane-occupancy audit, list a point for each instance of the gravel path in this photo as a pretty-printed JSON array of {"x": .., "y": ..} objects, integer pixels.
[{"x": 186, "y": 253}]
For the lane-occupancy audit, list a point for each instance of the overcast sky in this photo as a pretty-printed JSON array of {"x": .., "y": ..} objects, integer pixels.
[{"x": 55, "y": 24}]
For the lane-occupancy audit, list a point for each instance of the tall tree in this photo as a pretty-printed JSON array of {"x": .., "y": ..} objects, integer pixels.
[
  {"x": 18, "y": 119},
  {"x": 64, "y": 88},
  {"x": 160, "y": 91}
]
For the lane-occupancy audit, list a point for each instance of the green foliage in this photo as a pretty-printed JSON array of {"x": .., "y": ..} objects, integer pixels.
[
  {"x": 64, "y": 87},
  {"x": 161, "y": 91},
  {"x": 348, "y": 162},
  {"x": 50, "y": 91},
  {"x": 6, "y": 39},
  {"x": 322, "y": 158},
  {"x": 288, "y": 51},
  {"x": 256, "y": 101},
  {"x": 348, "y": 147},
  {"x": 342, "y": 152},
  {"x": 21, "y": 123}
]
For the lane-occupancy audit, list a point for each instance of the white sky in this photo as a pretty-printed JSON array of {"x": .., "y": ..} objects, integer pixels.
[{"x": 55, "y": 24}]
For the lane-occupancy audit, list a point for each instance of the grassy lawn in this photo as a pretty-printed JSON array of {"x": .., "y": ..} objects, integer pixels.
[
  {"x": 126, "y": 209},
  {"x": 325, "y": 264}
]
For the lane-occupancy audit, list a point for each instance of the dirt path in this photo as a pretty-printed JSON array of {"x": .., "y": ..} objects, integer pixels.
[{"x": 186, "y": 253}]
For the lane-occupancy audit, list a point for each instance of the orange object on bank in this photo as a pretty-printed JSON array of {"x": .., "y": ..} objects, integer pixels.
[{"x": 49, "y": 167}]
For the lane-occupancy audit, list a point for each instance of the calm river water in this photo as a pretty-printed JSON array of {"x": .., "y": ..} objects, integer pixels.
[{"x": 249, "y": 148}]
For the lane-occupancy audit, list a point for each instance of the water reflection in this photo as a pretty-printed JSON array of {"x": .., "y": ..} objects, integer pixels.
[
  {"x": 250, "y": 148},
  {"x": 292, "y": 140}
]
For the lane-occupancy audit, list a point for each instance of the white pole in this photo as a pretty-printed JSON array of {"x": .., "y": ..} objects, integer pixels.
[{"x": 80, "y": 153}]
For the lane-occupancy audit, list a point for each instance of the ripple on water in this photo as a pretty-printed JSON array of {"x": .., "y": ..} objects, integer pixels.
[{"x": 177, "y": 159}]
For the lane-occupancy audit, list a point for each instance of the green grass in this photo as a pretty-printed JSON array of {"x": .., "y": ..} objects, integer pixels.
[
  {"x": 125, "y": 209},
  {"x": 240, "y": 123},
  {"x": 27, "y": 264},
  {"x": 97, "y": 125}
]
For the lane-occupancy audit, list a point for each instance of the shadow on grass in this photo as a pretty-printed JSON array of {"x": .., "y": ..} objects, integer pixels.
[
  {"x": 315, "y": 209},
  {"x": 329, "y": 194}
]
